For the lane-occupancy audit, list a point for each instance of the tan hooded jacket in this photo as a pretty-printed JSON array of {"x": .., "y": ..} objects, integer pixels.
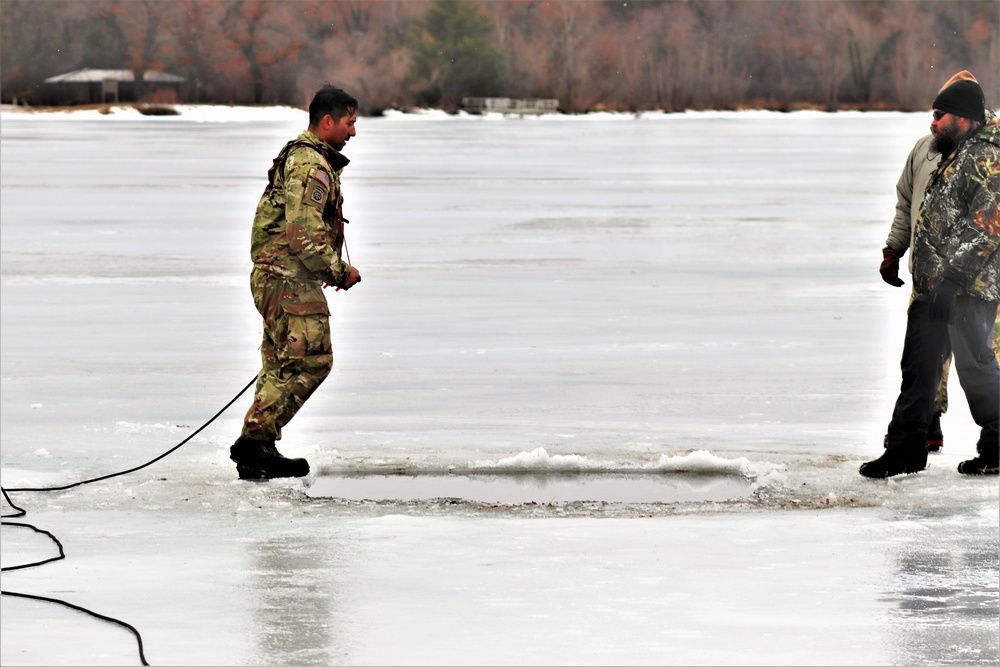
[{"x": 916, "y": 175}]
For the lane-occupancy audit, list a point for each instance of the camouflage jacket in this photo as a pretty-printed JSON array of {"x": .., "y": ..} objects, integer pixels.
[
  {"x": 958, "y": 227},
  {"x": 298, "y": 230}
]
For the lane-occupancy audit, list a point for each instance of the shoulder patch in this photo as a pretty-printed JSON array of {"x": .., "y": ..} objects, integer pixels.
[{"x": 317, "y": 189}]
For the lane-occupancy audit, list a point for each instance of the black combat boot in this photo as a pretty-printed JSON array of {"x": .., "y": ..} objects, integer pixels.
[
  {"x": 986, "y": 463},
  {"x": 903, "y": 458},
  {"x": 260, "y": 459}
]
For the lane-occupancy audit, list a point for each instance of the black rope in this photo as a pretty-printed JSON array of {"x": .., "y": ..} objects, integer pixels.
[
  {"x": 148, "y": 463},
  {"x": 20, "y": 512},
  {"x": 62, "y": 554},
  {"x": 138, "y": 637}
]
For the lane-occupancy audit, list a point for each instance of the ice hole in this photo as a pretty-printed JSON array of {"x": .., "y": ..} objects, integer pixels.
[{"x": 528, "y": 487}]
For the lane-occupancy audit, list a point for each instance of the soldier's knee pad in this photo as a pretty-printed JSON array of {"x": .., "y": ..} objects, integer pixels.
[{"x": 317, "y": 366}]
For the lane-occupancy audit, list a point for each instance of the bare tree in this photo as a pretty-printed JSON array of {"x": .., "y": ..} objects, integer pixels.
[
  {"x": 185, "y": 24},
  {"x": 829, "y": 47},
  {"x": 262, "y": 31},
  {"x": 913, "y": 75},
  {"x": 35, "y": 44},
  {"x": 361, "y": 47},
  {"x": 574, "y": 23},
  {"x": 139, "y": 23},
  {"x": 871, "y": 47}
]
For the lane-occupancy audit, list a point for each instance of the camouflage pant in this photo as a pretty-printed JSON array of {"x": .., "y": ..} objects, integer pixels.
[
  {"x": 296, "y": 352},
  {"x": 941, "y": 398}
]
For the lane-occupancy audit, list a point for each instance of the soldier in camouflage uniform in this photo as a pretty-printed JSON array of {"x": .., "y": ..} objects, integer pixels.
[
  {"x": 296, "y": 246},
  {"x": 916, "y": 175},
  {"x": 956, "y": 277}
]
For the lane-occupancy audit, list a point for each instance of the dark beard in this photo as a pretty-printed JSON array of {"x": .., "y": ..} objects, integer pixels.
[
  {"x": 945, "y": 143},
  {"x": 948, "y": 140}
]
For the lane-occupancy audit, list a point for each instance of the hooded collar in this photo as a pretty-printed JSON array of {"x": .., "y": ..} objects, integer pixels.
[
  {"x": 990, "y": 132},
  {"x": 336, "y": 159}
]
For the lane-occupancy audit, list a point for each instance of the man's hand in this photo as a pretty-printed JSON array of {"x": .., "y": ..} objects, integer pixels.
[
  {"x": 890, "y": 267},
  {"x": 353, "y": 278},
  {"x": 941, "y": 299}
]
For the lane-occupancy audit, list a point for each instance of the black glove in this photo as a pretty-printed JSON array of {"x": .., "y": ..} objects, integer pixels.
[
  {"x": 890, "y": 267},
  {"x": 942, "y": 299}
]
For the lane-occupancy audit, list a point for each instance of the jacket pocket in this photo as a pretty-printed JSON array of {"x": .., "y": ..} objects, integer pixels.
[
  {"x": 306, "y": 308},
  {"x": 304, "y": 299}
]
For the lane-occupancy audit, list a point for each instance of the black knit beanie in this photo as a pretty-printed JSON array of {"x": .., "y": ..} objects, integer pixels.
[{"x": 963, "y": 98}]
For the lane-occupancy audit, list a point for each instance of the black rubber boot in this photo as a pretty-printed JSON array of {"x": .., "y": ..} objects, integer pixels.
[
  {"x": 260, "y": 459},
  {"x": 985, "y": 464},
  {"x": 898, "y": 460}
]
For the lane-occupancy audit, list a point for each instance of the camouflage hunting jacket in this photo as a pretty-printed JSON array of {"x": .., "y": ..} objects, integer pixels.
[
  {"x": 958, "y": 227},
  {"x": 298, "y": 230}
]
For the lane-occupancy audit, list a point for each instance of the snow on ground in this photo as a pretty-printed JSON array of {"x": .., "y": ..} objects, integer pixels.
[{"x": 688, "y": 298}]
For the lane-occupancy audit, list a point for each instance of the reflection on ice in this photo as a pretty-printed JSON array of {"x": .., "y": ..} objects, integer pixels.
[
  {"x": 946, "y": 595},
  {"x": 288, "y": 579}
]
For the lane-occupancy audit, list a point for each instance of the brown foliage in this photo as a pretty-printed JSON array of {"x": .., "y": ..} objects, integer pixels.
[{"x": 590, "y": 54}]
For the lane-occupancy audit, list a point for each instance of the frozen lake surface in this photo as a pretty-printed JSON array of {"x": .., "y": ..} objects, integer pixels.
[
  {"x": 549, "y": 488},
  {"x": 690, "y": 301}
]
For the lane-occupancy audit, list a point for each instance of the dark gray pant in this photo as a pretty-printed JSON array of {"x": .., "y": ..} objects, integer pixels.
[{"x": 927, "y": 344}]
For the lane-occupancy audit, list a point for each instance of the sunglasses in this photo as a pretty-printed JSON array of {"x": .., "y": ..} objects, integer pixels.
[{"x": 938, "y": 114}]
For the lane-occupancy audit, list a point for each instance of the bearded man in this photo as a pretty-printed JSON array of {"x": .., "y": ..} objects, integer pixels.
[
  {"x": 916, "y": 175},
  {"x": 956, "y": 280}
]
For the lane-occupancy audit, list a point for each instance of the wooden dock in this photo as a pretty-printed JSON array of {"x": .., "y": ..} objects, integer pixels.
[{"x": 481, "y": 105}]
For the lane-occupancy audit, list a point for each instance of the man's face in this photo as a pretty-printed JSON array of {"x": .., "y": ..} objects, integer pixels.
[
  {"x": 942, "y": 123},
  {"x": 947, "y": 130},
  {"x": 338, "y": 132}
]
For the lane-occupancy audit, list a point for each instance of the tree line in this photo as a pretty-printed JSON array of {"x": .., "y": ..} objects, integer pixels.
[{"x": 622, "y": 55}]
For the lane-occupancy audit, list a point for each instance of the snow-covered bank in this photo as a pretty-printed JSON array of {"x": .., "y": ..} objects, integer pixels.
[
  {"x": 222, "y": 113},
  {"x": 199, "y": 113}
]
